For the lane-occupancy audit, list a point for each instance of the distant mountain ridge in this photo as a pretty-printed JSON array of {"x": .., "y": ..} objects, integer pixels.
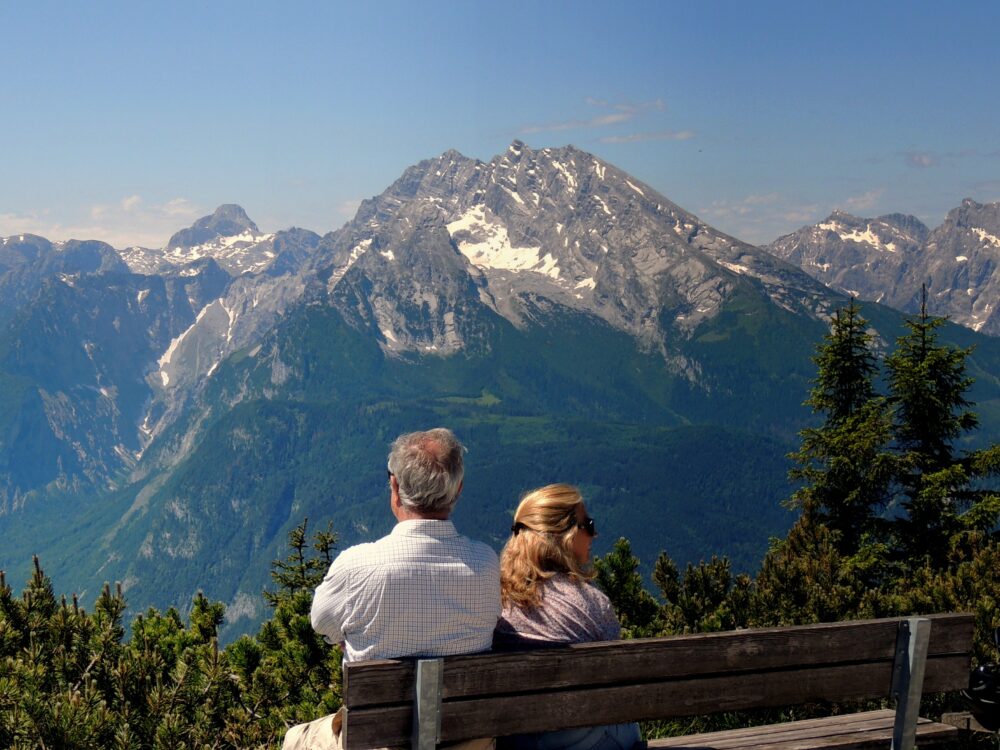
[
  {"x": 890, "y": 258},
  {"x": 562, "y": 224},
  {"x": 186, "y": 406}
]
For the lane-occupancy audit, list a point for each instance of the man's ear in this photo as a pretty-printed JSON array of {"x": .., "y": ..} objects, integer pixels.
[
  {"x": 394, "y": 500},
  {"x": 461, "y": 485}
]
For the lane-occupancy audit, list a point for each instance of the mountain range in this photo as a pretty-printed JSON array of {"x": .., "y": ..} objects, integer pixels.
[
  {"x": 889, "y": 260},
  {"x": 168, "y": 415}
]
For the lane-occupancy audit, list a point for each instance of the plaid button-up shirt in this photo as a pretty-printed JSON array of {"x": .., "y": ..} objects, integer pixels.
[{"x": 423, "y": 590}]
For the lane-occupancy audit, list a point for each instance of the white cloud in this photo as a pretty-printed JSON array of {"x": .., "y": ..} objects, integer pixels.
[
  {"x": 766, "y": 199},
  {"x": 760, "y": 218},
  {"x": 864, "y": 202},
  {"x": 593, "y": 122},
  {"x": 181, "y": 207},
  {"x": 663, "y": 135},
  {"x": 921, "y": 159},
  {"x": 621, "y": 112},
  {"x": 128, "y": 221}
]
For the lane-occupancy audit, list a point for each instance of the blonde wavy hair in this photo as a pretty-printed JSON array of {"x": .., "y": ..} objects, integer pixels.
[{"x": 541, "y": 544}]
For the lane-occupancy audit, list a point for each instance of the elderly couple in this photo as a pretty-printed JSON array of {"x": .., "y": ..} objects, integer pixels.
[{"x": 425, "y": 590}]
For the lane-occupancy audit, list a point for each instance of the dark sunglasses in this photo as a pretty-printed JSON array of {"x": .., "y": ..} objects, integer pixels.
[{"x": 587, "y": 526}]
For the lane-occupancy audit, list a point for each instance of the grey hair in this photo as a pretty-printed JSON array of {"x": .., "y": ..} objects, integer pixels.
[{"x": 428, "y": 468}]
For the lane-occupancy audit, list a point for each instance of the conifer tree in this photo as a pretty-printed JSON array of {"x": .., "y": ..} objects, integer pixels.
[
  {"x": 618, "y": 576},
  {"x": 844, "y": 464},
  {"x": 928, "y": 383},
  {"x": 707, "y": 598},
  {"x": 288, "y": 674},
  {"x": 70, "y": 679}
]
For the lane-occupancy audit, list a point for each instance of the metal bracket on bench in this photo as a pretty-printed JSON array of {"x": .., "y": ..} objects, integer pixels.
[
  {"x": 427, "y": 704},
  {"x": 908, "y": 678}
]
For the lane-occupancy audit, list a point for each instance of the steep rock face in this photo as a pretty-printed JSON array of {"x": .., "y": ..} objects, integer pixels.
[
  {"x": 237, "y": 282},
  {"x": 888, "y": 259},
  {"x": 962, "y": 266},
  {"x": 562, "y": 225},
  {"x": 868, "y": 258},
  {"x": 227, "y": 315},
  {"x": 74, "y": 361},
  {"x": 418, "y": 294},
  {"x": 27, "y": 262}
]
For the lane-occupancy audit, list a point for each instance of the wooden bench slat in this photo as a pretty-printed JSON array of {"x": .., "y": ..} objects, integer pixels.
[
  {"x": 947, "y": 673},
  {"x": 513, "y": 714},
  {"x": 526, "y": 712},
  {"x": 389, "y": 682},
  {"x": 862, "y": 740},
  {"x": 842, "y": 722},
  {"x": 868, "y": 729},
  {"x": 609, "y": 683}
]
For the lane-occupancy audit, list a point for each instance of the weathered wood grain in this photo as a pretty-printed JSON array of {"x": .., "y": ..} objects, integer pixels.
[
  {"x": 573, "y": 707},
  {"x": 606, "y": 683},
  {"x": 595, "y": 664},
  {"x": 844, "y": 723},
  {"x": 861, "y": 730}
]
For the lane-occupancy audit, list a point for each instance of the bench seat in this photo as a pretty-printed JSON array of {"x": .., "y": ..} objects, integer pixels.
[
  {"x": 869, "y": 729},
  {"x": 425, "y": 702}
]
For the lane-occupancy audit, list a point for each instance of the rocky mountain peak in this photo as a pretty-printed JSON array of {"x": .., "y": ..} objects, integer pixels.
[
  {"x": 228, "y": 235},
  {"x": 907, "y": 223},
  {"x": 973, "y": 214},
  {"x": 228, "y": 220},
  {"x": 557, "y": 224},
  {"x": 888, "y": 259}
]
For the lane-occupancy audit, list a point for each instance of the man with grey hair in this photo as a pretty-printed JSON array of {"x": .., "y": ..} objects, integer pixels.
[{"x": 423, "y": 590}]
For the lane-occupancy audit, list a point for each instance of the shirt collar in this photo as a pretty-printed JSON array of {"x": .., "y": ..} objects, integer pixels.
[{"x": 425, "y": 527}]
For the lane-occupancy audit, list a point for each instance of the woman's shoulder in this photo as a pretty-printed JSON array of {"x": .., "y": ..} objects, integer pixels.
[{"x": 567, "y": 585}]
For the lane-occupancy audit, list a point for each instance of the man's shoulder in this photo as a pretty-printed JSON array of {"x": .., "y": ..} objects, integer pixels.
[
  {"x": 396, "y": 546},
  {"x": 355, "y": 555},
  {"x": 481, "y": 549}
]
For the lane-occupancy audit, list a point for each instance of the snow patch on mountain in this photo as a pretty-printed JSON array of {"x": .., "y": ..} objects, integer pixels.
[
  {"x": 227, "y": 251},
  {"x": 734, "y": 267},
  {"x": 487, "y": 245},
  {"x": 567, "y": 175},
  {"x": 867, "y": 237},
  {"x": 604, "y": 206},
  {"x": 176, "y": 342},
  {"x": 356, "y": 252},
  {"x": 247, "y": 252},
  {"x": 986, "y": 237}
]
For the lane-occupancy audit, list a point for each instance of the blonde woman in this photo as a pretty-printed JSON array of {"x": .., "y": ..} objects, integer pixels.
[{"x": 547, "y": 596}]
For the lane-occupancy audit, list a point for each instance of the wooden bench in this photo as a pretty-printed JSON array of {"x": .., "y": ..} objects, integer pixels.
[{"x": 429, "y": 701}]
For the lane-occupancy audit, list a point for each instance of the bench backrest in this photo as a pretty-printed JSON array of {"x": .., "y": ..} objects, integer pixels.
[{"x": 612, "y": 682}]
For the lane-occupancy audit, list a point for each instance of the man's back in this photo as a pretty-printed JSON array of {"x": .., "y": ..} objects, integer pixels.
[{"x": 423, "y": 590}]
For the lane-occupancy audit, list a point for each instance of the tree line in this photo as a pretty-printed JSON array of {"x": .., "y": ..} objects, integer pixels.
[{"x": 894, "y": 518}]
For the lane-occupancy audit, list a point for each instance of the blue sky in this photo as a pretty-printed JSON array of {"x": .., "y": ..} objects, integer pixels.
[{"x": 127, "y": 121}]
